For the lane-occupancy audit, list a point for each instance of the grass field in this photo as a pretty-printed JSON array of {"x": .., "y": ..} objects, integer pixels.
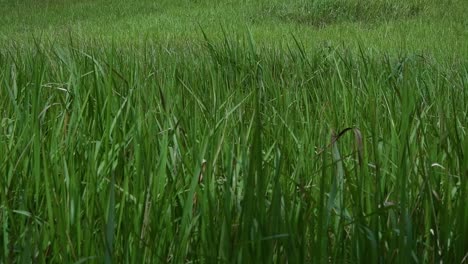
[
  {"x": 233, "y": 131},
  {"x": 439, "y": 28}
]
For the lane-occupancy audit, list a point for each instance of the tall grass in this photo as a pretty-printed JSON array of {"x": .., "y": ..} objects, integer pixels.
[{"x": 231, "y": 153}]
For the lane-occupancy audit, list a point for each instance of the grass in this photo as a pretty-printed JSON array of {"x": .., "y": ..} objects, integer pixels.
[
  {"x": 233, "y": 147},
  {"x": 433, "y": 27}
]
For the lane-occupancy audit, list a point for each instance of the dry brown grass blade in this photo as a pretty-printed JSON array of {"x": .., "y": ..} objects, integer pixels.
[
  {"x": 359, "y": 146},
  {"x": 200, "y": 180}
]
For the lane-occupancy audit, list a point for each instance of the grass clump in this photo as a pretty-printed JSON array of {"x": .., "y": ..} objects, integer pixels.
[
  {"x": 226, "y": 153},
  {"x": 325, "y": 13}
]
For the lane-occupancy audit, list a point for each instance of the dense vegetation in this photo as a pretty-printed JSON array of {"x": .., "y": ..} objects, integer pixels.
[
  {"x": 214, "y": 148},
  {"x": 438, "y": 28}
]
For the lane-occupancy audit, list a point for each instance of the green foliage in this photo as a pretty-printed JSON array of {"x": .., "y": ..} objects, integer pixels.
[
  {"x": 324, "y": 13},
  {"x": 158, "y": 131},
  {"x": 227, "y": 153},
  {"x": 438, "y": 28}
]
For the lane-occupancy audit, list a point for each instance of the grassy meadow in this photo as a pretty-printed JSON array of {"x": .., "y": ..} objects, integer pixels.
[{"x": 321, "y": 131}]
